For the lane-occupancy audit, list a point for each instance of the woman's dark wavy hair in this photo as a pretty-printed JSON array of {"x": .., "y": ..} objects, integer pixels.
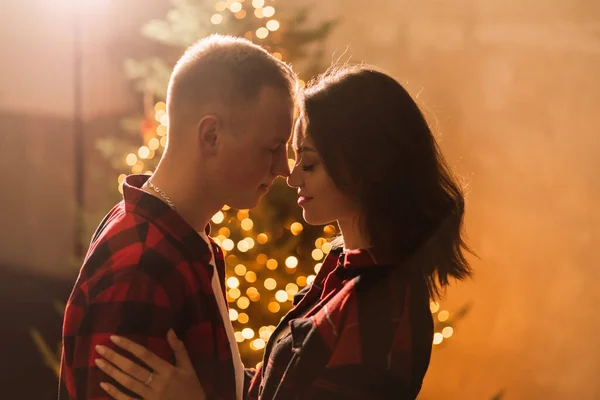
[{"x": 379, "y": 150}]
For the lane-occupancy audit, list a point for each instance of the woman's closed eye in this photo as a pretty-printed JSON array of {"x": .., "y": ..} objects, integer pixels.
[{"x": 308, "y": 167}]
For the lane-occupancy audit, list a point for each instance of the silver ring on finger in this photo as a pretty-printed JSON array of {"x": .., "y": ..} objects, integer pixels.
[{"x": 149, "y": 380}]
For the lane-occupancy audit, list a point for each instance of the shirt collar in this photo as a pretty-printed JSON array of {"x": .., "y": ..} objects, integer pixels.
[
  {"x": 353, "y": 261},
  {"x": 363, "y": 258},
  {"x": 153, "y": 209}
]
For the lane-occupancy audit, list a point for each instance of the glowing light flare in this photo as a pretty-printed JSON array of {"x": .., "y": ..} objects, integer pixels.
[
  {"x": 262, "y": 32},
  {"x": 247, "y": 333},
  {"x": 243, "y": 318},
  {"x": 143, "y": 152},
  {"x": 317, "y": 254},
  {"x": 272, "y": 264},
  {"x": 240, "y": 269},
  {"x": 291, "y": 262},
  {"x": 268, "y": 11},
  {"x": 443, "y": 315},
  {"x": 253, "y": 294},
  {"x": 296, "y": 228},
  {"x": 243, "y": 246},
  {"x": 243, "y": 303},
  {"x": 274, "y": 307},
  {"x": 447, "y": 332},
  {"x": 272, "y": 25},
  {"x": 270, "y": 284},
  {"x": 329, "y": 230},
  {"x": 318, "y": 267},
  {"x": 291, "y": 288},
  {"x": 250, "y": 277},
  {"x": 131, "y": 159},
  {"x": 247, "y": 224},
  {"x": 225, "y": 231},
  {"x": 233, "y": 282},
  {"x": 154, "y": 143},
  {"x": 235, "y": 7},
  {"x": 281, "y": 296},
  {"x": 262, "y": 238},
  {"x": 218, "y": 217},
  {"x": 301, "y": 281},
  {"x": 227, "y": 245}
]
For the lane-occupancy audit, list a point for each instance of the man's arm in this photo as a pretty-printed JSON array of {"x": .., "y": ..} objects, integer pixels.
[{"x": 138, "y": 301}]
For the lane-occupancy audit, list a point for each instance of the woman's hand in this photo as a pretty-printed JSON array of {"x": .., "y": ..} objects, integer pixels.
[{"x": 165, "y": 383}]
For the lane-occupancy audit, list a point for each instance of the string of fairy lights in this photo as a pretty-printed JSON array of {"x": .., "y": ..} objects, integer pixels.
[{"x": 247, "y": 249}]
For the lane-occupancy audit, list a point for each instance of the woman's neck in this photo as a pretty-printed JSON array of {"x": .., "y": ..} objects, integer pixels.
[{"x": 352, "y": 234}]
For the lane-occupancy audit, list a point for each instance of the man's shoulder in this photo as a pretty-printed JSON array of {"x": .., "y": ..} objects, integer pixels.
[
  {"x": 124, "y": 238},
  {"x": 122, "y": 228}
]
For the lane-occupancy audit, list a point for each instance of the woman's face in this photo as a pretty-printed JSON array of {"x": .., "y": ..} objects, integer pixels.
[{"x": 321, "y": 200}]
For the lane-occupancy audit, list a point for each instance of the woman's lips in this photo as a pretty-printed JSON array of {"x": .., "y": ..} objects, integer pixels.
[{"x": 303, "y": 200}]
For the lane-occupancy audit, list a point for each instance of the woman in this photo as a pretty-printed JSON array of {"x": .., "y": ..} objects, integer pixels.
[{"x": 366, "y": 158}]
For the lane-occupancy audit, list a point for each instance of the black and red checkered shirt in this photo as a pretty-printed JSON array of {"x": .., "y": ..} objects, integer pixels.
[
  {"x": 363, "y": 330},
  {"x": 146, "y": 271}
]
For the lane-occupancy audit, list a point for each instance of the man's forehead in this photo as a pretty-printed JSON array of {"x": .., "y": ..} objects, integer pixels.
[{"x": 300, "y": 138}]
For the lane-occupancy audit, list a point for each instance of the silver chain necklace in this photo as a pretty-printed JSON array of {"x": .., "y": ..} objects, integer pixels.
[{"x": 162, "y": 194}]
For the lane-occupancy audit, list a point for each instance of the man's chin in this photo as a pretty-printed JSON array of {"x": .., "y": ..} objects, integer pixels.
[{"x": 245, "y": 204}]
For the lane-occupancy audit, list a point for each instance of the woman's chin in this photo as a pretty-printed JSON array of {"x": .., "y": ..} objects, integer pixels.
[{"x": 312, "y": 219}]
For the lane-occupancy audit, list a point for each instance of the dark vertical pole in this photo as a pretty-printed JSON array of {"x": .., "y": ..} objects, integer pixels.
[{"x": 78, "y": 130}]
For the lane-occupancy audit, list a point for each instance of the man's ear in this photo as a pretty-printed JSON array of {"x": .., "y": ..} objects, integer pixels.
[{"x": 209, "y": 129}]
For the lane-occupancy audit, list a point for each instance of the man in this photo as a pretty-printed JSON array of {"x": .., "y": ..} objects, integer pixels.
[{"x": 151, "y": 265}]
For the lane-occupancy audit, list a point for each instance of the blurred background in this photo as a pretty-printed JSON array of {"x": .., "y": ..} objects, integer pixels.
[{"x": 511, "y": 88}]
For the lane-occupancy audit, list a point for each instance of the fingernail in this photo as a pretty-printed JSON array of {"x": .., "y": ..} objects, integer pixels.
[
  {"x": 100, "y": 349},
  {"x": 115, "y": 339},
  {"x": 99, "y": 362},
  {"x": 104, "y": 386}
]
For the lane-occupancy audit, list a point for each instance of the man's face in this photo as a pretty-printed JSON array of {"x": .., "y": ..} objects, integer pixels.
[{"x": 255, "y": 153}]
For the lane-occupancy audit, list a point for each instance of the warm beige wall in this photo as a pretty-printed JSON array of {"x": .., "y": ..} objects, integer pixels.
[
  {"x": 516, "y": 93},
  {"x": 36, "y": 108}
]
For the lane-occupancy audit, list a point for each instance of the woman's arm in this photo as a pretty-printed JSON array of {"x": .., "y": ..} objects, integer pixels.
[{"x": 166, "y": 382}]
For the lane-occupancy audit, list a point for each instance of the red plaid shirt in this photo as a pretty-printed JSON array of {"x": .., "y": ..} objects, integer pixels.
[
  {"x": 363, "y": 330},
  {"x": 146, "y": 271}
]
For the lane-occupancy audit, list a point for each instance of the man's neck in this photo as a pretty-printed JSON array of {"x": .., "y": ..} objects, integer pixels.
[{"x": 193, "y": 203}]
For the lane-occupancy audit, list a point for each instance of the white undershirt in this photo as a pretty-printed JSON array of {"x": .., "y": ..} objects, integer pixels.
[{"x": 224, "y": 309}]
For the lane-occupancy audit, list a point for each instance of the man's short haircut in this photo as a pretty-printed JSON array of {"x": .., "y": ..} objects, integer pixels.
[{"x": 224, "y": 70}]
